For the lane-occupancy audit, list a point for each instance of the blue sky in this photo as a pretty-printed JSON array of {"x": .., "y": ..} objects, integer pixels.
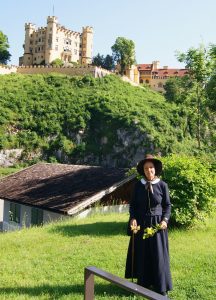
[{"x": 158, "y": 27}]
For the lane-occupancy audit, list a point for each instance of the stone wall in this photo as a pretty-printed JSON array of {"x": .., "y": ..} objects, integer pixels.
[
  {"x": 70, "y": 70},
  {"x": 4, "y": 69}
]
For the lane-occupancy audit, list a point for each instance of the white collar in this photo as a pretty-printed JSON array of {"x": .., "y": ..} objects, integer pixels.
[{"x": 143, "y": 181}]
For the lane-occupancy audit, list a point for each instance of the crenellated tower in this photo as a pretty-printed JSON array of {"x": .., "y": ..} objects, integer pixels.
[
  {"x": 87, "y": 45},
  {"x": 28, "y": 45},
  {"x": 50, "y": 40}
]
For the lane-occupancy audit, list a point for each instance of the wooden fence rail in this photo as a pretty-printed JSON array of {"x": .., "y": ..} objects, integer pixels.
[{"x": 89, "y": 273}]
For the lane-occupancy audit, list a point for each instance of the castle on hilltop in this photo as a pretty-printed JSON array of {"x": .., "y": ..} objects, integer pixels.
[{"x": 45, "y": 44}]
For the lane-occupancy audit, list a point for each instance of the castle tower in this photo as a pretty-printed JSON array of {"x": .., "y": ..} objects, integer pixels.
[
  {"x": 156, "y": 65},
  {"x": 87, "y": 45},
  {"x": 28, "y": 45},
  {"x": 50, "y": 40}
]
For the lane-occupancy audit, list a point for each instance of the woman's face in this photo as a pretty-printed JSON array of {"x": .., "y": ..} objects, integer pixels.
[{"x": 149, "y": 170}]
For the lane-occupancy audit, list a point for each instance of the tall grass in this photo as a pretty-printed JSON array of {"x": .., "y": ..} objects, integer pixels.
[
  {"x": 4, "y": 171},
  {"x": 48, "y": 262}
]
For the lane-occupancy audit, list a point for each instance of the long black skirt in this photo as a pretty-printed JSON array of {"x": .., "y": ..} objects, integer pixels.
[{"x": 151, "y": 264}]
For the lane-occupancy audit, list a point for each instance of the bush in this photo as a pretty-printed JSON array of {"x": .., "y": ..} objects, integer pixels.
[
  {"x": 192, "y": 187},
  {"x": 57, "y": 62}
]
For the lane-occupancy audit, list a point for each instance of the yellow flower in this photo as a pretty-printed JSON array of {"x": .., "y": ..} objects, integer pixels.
[{"x": 150, "y": 230}]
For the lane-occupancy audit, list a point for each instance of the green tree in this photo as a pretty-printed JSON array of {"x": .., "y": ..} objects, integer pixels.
[
  {"x": 211, "y": 86},
  {"x": 4, "y": 45},
  {"x": 123, "y": 53},
  {"x": 109, "y": 63},
  {"x": 98, "y": 60},
  {"x": 57, "y": 62},
  {"x": 106, "y": 62},
  {"x": 199, "y": 63}
]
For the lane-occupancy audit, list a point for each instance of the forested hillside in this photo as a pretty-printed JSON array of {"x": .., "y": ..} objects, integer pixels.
[{"x": 86, "y": 120}]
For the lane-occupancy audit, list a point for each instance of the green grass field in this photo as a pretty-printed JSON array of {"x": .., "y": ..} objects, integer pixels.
[
  {"x": 48, "y": 262},
  {"x": 9, "y": 170}
]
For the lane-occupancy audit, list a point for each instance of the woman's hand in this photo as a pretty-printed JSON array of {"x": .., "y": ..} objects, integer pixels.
[
  {"x": 163, "y": 225},
  {"x": 133, "y": 222}
]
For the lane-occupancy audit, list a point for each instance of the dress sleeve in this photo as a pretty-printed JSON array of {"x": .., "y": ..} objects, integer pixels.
[
  {"x": 132, "y": 205},
  {"x": 166, "y": 204}
]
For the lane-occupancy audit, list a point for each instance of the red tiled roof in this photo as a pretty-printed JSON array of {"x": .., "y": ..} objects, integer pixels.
[
  {"x": 170, "y": 72},
  {"x": 145, "y": 67}
]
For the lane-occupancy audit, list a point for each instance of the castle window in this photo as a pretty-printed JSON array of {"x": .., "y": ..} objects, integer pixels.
[
  {"x": 56, "y": 47},
  {"x": 56, "y": 39},
  {"x": 75, "y": 51}
]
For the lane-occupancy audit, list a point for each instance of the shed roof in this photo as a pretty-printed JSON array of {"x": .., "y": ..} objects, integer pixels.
[{"x": 61, "y": 188}]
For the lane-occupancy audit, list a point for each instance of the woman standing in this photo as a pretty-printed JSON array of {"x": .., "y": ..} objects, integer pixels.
[{"x": 150, "y": 206}]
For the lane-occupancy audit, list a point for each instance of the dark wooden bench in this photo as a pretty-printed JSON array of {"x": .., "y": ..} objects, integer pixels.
[{"x": 89, "y": 273}]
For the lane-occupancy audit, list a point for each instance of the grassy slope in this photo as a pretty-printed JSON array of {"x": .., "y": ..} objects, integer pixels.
[
  {"x": 43, "y": 108},
  {"x": 48, "y": 262}
]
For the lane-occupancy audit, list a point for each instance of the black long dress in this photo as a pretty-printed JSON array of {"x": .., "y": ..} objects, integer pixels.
[{"x": 151, "y": 264}]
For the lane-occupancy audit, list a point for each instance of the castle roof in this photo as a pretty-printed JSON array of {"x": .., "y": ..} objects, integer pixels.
[
  {"x": 170, "y": 72},
  {"x": 145, "y": 67}
]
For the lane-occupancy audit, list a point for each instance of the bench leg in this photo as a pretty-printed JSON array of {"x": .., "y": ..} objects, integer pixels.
[{"x": 89, "y": 285}]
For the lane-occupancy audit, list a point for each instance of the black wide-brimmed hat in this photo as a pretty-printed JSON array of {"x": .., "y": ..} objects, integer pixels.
[{"x": 157, "y": 163}]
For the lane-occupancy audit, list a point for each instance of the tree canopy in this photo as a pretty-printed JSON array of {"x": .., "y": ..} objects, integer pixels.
[
  {"x": 124, "y": 53},
  {"x": 195, "y": 94},
  {"x": 106, "y": 62},
  {"x": 4, "y": 45}
]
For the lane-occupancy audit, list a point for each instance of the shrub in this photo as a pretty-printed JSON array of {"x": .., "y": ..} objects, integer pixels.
[
  {"x": 57, "y": 62},
  {"x": 192, "y": 187}
]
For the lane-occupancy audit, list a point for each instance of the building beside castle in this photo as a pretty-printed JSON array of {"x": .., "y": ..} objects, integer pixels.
[
  {"x": 156, "y": 77},
  {"x": 45, "y": 44}
]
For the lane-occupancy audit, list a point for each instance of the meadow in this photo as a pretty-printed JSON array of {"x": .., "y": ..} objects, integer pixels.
[{"x": 48, "y": 262}]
